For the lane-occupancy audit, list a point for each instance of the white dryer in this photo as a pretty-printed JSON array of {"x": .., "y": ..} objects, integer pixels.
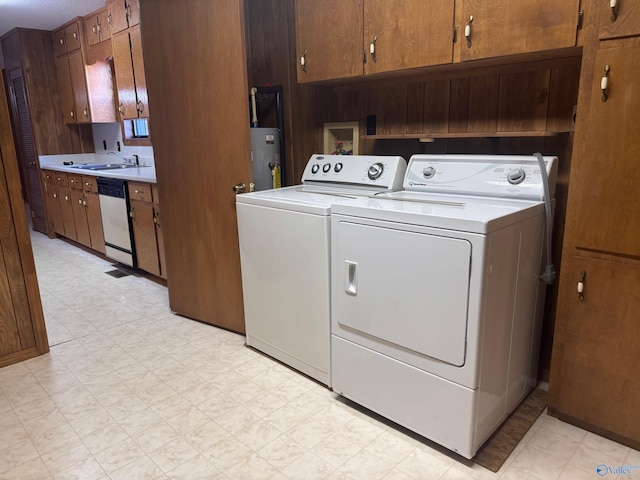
[
  {"x": 284, "y": 239},
  {"x": 437, "y": 298}
]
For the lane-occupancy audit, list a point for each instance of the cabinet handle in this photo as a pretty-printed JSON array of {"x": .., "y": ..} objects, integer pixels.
[
  {"x": 109, "y": 20},
  {"x": 604, "y": 83},
  {"x": 467, "y": 31},
  {"x": 84, "y": 203},
  {"x": 61, "y": 40},
  {"x": 86, "y": 113},
  {"x": 94, "y": 29},
  {"x": 580, "y": 288},
  {"x": 155, "y": 220},
  {"x": 80, "y": 201},
  {"x": 614, "y": 10},
  {"x": 66, "y": 198},
  {"x": 239, "y": 188},
  {"x": 87, "y": 184},
  {"x": 372, "y": 48},
  {"x": 303, "y": 61},
  {"x": 140, "y": 107},
  {"x": 75, "y": 35},
  {"x": 72, "y": 113},
  {"x": 55, "y": 195},
  {"x": 121, "y": 109}
]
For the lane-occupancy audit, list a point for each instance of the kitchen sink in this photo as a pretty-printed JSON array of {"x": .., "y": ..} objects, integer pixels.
[{"x": 105, "y": 166}]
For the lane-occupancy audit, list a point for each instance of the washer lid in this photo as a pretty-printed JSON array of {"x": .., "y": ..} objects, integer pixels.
[
  {"x": 301, "y": 198},
  {"x": 460, "y": 213}
]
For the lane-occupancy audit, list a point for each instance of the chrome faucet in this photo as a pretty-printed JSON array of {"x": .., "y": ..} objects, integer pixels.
[{"x": 129, "y": 161}]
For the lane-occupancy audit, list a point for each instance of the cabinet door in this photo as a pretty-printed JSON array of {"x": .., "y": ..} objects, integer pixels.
[
  {"x": 142, "y": 101},
  {"x": 102, "y": 22},
  {"x": 407, "y": 34},
  {"x": 596, "y": 349},
  {"x": 59, "y": 43},
  {"x": 117, "y": 16},
  {"x": 94, "y": 221},
  {"x": 133, "y": 12},
  {"x": 144, "y": 233},
  {"x": 54, "y": 209},
  {"x": 80, "y": 217},
  {"x": 501, "y": 27},
  {"x": 67, "y": 213},
  {"x": 329, "y": 38},
  {"x": 72, "y": 36},
  {"x": 92, "y": 29},
  {"x": 78, "y": 81},
  {"x": 625, "y": 22},
  {"x": 124, "y": 75},
  {"x": 605, "y": 184},
  {"x": 66, "y": 89}
]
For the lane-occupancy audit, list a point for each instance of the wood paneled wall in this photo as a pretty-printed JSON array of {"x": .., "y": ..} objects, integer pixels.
[{"x": 480, "y": 111}]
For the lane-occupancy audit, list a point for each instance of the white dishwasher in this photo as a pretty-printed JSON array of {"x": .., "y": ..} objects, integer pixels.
[{"x": 114, "y": 208}]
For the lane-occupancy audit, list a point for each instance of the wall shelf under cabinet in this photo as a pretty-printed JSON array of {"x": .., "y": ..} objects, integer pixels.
[{"x": 430, "y": 136}]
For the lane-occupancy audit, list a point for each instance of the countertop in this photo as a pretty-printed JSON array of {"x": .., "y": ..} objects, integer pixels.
[{"x": 146, "y": 173}]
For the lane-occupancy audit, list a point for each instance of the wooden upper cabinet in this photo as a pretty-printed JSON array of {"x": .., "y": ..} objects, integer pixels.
[
  {"x": 623, "y": 21},
  {"x": 97, "y": 27},
  {"x": 606, "y": 183},
  {"x": 78, "y": 82},
  {"x": 407, "y": 34},
  {"x": 67, "y": 38},
  {"x": 499, "y": 27},
  {"x": 122, "y": 14},
  {"x": 59, "y": 43},
  {"x": 66, "y": 89},
  {"x": 329, "y": 38},
  {"x": 595, "y": 349},
  {"x": 130, "y": 75}
]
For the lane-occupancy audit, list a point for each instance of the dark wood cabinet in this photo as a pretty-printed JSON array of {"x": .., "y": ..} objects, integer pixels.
[
  {"x": 67, "y": 38},
  {"x": 621, "y": 21},
  {"x": 123, "y": 14},
  {"x": 97, "y": 28},
  {"x": 494, "y": 28}
]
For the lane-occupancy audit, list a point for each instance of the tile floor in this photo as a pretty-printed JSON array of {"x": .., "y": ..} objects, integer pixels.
[{"x": 130, "y": 391}]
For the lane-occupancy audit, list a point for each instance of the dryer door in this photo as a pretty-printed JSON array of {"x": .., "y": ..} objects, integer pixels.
[{"x": 405, "y": 288}]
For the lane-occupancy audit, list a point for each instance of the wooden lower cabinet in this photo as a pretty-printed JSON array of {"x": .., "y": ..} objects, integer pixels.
[
  {"x": 146, "y": 229},
  {"x": 593, "y": 380}
]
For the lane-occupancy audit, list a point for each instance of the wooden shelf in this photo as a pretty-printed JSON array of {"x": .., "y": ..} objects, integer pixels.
[{"x": 418, "y": 136}]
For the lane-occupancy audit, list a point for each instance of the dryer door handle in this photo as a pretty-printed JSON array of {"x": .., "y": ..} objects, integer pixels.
[{"x": 351, "y": 278}]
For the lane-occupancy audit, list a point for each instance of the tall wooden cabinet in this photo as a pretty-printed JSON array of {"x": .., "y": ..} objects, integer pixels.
[
  {"x": 130, "y": 75},
  {"x": 22, "y": 329},
  {"x": 596, "y": 350}
]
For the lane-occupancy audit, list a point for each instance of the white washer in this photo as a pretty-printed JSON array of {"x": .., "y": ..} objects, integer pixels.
[
  {"x": 284, "y": 254},
  {"x": 436, "y": 296}
]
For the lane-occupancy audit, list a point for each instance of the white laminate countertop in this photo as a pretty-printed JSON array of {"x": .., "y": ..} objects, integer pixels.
[{"x": 146, "y": 173}]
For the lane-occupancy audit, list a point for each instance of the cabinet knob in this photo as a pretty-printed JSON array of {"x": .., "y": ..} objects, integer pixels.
[
  {"x": 372, "y": 48},
  {"x": 121, "y": 109},
  {"x": 140, "y": 107},
  {"x": 72, "y": 114},
  {"x": 80, "y": 201},
  {"x": 61, "y": 40},
  {"x": 303, "y": 61},
  {"x": 75, "y": 35},
  {"x": 86, "y": 113},
  {"x": 580, "y": 288},
  {"x": 109, "y": 20},
  {"x": 467, "y": 31},
  {"x": 55, "y": 195},
  {"x": 605, "y": 82},
  {"x": 614, "y": 10}
]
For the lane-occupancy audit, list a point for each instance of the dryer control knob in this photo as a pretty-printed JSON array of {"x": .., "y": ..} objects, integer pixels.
[
  {"x": 326, "y": 167},
  {"x": 338, "y": 167},
  {"x": 315, "y": 168},
  {"x": 516, "y": 176},
  {"x": 428, "y": 172},
  {"x": 375, "y": 171}
]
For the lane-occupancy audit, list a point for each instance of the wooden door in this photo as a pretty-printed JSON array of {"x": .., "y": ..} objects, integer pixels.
[
  {"x": 596, "y": 350},
  {"x": 625, "y": 22},
  {"x": 23, "y": 334},
  {"x": 27, "y": 152},
  {"x": 144, "y": 233},
  {"x": 79, "y": 83},
  {"x": 117, "y": 16},
  {"x": 124, "y": 75},
  {"x": 606, "y": 183},
  {"x": 407, "y": 34},
  {"x": 80, "y": 217},
  {"x": 209, "y": 133},
  {"x": 66, "y": 89},
  {"x": 329, "y": 37},
  {"x": 503, "y": 27},
  {"x": 142, "y": 101}
]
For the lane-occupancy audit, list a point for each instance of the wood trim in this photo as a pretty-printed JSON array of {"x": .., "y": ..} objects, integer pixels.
[{"x": 417, "y": 136}]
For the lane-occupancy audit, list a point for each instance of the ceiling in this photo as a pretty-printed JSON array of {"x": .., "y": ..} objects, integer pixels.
[{"x": 42, "y": 14}]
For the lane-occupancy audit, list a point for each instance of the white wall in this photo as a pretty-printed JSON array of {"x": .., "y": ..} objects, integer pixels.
[{"x": 112, "y": 134}]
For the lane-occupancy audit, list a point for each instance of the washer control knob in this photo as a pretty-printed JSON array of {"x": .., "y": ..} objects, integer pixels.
[
  {"x": 375, "y": 171},
  {"x": 315, "y": 168},
  {"x": 516, "y": 176},
  {"x": 337, "y": 168},
  {"x": 428, "y": 172},
  {"x": 326, "y": 167}
]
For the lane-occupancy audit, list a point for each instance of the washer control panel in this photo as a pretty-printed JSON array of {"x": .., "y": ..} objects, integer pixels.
[
  {"x": 381, "y": 172},
  {"x": 508, "y": 176}
]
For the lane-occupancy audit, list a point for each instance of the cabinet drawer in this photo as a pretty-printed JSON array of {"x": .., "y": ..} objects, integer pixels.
[
  {"x": 49, "y": 176},
  {"x": 90, "y": 184},
  {"x": 75, "y": 181},
  {"x": 140, "y": 191}
]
